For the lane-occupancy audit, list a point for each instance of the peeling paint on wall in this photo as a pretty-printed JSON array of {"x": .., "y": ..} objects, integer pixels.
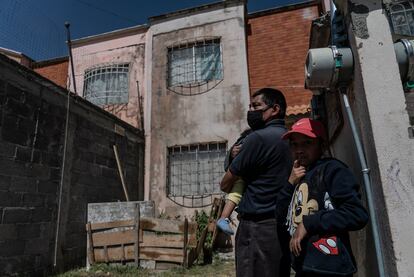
[{"x": 359, "y": 14}]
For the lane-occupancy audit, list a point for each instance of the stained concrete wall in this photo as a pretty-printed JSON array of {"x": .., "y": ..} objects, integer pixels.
[
  {"x": 378, "y": 103},
  {"x": 32, "y": 138},
  {"x": 123, "y": 46},
  {"x": 217, "y": 115}
]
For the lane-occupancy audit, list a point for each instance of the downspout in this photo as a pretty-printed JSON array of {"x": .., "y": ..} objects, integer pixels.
[{"x": 365, "y": 170}]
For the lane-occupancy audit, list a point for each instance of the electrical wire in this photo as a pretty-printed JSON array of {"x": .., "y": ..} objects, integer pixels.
[{"x": 107, "y": 11}]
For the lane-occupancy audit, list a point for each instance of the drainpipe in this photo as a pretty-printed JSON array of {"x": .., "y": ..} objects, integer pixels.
[{"x": 365, "y": 169}]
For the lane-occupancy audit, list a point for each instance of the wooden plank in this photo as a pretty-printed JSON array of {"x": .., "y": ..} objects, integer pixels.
[
  {"x": 141, "y": 234},
  {"x": 162, "y": 240},
  {"x": 112, "y": 224},
  {"x": 121, "y": 172},
  {"x": 123, "y": 252},
  {"x": 116, "y": 254},
  {"x": 113, "y": 238},
  {"x": 165, "y": 225},
  {"x": 106, "y": 253},
  {"x": 201, "y": 241},
  {"x": 211, "y": 226},
  {"x": 90, "y": 244},
  {"x": 191, "y": 256},
  {"x": 185, "y": 264},
  {"x": 162, "y": 254},
  {"x": 220, "y": 210},
  {"x": 137, "y": 228},
  {"x": 192, "y": 228},
  {"x": 192, "y": 240}
]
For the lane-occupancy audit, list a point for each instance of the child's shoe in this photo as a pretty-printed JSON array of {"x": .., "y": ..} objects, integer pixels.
[{"x": 224, "y": 225}]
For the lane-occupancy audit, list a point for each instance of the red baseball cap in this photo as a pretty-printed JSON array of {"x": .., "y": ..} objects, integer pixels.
[{"x": 308, "y": 127}]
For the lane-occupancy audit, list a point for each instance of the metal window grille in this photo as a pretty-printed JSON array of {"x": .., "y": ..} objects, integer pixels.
[
  {"x": 402, "y": 17},
  {"x": 107, "y": 85},
  {"x": 195, "y": 170},
  {"x": 195, "y": 67}
]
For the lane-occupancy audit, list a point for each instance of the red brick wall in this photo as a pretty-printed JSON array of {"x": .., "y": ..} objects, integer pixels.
[
  {"x": 56, "y": 72},
  {"x": 277, "y": 46}
]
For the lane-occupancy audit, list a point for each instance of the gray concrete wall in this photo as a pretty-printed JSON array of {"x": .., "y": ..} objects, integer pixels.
[
  {"x": 32, "y": 136},
  {"x": 112, "y": 211},
  {"x": 378, "y": 103},
  {"x": 217, "y": 115}
]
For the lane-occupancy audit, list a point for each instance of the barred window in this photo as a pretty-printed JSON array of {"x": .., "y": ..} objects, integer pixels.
[
  {"x": 402, "y": 18},
  {"x": 107, "y": 85},
  {"x": 195, "y": 170},
  {"x": 195, "y": 67}
]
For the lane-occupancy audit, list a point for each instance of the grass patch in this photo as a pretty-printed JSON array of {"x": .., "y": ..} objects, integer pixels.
[{"x": 217, "y": 268}]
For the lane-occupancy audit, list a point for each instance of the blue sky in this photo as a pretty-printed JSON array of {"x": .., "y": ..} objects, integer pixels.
[{"x": 36, "y": 27}]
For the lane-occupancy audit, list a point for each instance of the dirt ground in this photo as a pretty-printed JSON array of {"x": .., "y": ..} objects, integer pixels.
[{"x": 218, "y": 268}]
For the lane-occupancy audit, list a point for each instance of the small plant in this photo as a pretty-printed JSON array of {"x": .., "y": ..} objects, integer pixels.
[{"x": 202, "y": 220}]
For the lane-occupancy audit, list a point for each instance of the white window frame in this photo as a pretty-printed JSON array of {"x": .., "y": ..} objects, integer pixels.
[
  {"x": 196, "y": 77},
  {"x": 195, "y": 169},
  {"x": 115, "y": 92}
]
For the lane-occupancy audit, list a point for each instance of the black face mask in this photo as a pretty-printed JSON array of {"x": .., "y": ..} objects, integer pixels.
[{"x": 255, "y": 119}]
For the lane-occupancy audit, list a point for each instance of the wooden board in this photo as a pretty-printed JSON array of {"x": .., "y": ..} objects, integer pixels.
[
  {"x": 159, "y": 240},
  {"x": 148, "y": 239},
  {"x": 164, "y": 240},
  {"x": 147, "y": 253},
  {"x": 162, "y": 254},
  {"x": 112, "y": 224},
  {"x": 192, "y": 240},
  {"x": 165, "y": 225},
  {"x": 147, "y": 223},
  {"x": 113, "y": 238}
]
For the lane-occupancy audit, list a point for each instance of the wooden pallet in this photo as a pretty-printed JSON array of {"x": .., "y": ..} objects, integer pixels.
[{"x": 145, "y": 238}]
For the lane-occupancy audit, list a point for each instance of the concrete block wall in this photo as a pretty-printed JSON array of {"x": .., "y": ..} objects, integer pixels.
[{"x": 32, "y": 137}]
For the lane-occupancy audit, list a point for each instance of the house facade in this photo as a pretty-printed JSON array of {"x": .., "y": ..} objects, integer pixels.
[
  {"x": 186, "y": 78},
  {"x": 199, "y": 96},
  {"x": 109, "y": 72}
]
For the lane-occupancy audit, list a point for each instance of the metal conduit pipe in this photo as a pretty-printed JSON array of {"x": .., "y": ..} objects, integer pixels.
[
  {"x": 404, "y": 52},
  {"x": 367, "y": 185}
]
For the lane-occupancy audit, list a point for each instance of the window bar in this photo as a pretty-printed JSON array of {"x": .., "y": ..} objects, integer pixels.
[
  {"x": 194, "y": 64},
  {"x": 181, "y": 174},
  {"x": 407, "y": 18}
]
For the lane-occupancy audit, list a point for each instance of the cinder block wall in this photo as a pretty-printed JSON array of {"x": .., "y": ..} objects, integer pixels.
[{"x": 32, "y": 137}]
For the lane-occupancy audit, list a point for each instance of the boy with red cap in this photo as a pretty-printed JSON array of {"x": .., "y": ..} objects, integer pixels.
[{"x": 324, "y": 203}]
